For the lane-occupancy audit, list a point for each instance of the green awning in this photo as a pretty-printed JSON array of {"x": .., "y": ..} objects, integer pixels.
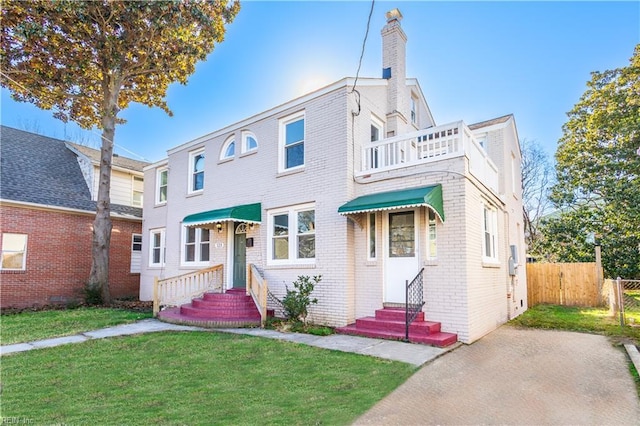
[
  {"x": 428, "y": 196},
  {"x": 250, "y": 213}
]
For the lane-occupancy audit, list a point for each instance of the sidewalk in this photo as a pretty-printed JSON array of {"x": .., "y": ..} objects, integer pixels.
[{"x": 386, "y": 349}]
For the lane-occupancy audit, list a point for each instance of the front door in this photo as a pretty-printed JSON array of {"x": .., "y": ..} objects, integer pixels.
[
  {"x": 239, "y": 256},
  {"x": 401, "y": 254}
]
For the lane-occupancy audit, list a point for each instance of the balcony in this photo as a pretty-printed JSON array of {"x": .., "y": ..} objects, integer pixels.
[{"x": 429, "y": 146}]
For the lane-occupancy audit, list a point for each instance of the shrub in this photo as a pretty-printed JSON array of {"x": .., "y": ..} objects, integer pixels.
[{"x": 296, "y": 302}]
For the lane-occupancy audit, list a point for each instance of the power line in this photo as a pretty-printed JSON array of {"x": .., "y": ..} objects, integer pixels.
[{"x": 364, "y": 43}]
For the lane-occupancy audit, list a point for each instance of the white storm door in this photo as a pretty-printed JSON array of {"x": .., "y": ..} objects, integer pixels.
[{"x": 401, "y": 253}]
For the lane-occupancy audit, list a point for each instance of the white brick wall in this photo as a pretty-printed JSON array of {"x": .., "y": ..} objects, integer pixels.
[{"x": 467, "y": 296}]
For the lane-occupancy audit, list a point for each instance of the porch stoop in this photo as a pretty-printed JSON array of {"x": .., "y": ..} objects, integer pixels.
[
  {"x": 216, "y": 310},
  {"x": 389, "y": 323}
]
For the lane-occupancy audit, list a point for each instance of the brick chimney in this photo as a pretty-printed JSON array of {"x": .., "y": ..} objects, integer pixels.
[{"x": 394, "y": 42}]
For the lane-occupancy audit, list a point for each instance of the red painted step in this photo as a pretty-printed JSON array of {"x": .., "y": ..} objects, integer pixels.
[
  {"x": 389, "y": 323},
  {"x": 231, "y": 309}
]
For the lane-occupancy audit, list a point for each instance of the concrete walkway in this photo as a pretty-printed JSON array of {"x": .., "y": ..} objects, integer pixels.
[
  {"x": 518, "y": 377},
  {"x": 392, "y": 350}
]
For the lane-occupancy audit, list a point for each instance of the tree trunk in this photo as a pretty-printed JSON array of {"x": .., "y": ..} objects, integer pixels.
[{"x": 99, "y": 278}]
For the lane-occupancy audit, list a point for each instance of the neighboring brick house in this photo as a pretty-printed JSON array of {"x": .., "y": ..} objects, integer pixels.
[
  {"x": 359, "y": 186},
  {"x": 47, "y": 207}
]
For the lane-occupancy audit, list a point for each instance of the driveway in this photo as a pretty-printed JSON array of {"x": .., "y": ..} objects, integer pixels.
[{"x": 516, "y": 377}]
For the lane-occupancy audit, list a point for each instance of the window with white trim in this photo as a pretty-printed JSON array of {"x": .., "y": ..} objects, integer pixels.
[
  {"x": 14, "y": 252},
  {"x": 228, "y": 148},
  {"x": 432, "y": 236},
  {"x": 196, "y": 171},
  {"x": 377, "y": 130},
  {"x": 136, "y": 253},
  {"x": 249, "y": 141},
  {"x": 137, "y": 191},
  {"x": 195, "y": 246},
  {"x": 414, "y": 109},
  {"x": 292, "y": 235},
  {"x": 156, "y": 247},
  {"x": 291, "y": 142},
  {"x": 162, "y": 181},
  {"x": 490, "y": 234},
  {"x": 371, "y": 236}
]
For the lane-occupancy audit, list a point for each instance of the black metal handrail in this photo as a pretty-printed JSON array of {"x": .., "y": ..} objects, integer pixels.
[{"x": 414, "y": 301}]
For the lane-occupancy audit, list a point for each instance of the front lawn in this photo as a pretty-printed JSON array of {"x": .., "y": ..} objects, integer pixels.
[
  {"x": 193, "y": 378},
  {"x": 29, "y": 326}
]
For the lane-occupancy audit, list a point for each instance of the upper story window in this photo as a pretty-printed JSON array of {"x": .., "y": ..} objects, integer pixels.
[
  {"x": 138, "y": 189},
  {"x": 482, "y": 140},
  {"x": 292, "y": 142},
  {"x": 162, "y": 181},
  {"x": 156, "y": 247},
  {"x": 377, "y": 129},
  {"x": 414, "y": 110},
  {"x": 196, "y": 245},
  {"x": 14, "y": 252},
  {"x": 196, "y": 175},
  {"x": 228, "y": 149},
  {"x": 490, "y": 234},
  {"x": 292, "y": 235},
  {"x": 249, "y": 142}
]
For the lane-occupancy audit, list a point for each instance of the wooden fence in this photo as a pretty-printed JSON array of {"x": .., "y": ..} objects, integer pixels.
[{"x": 570, "y": 284}]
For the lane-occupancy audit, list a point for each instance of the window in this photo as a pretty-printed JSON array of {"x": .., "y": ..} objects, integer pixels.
[
  {"x": 138, "y": 189},
  {"x": 414, "y": 110},
  {"x": 14, "y": 252},
  {"x": 490, "y": 237},
  {"x": 377, "y": 130},
  {"x": 249, "y": 142},
  {"x": 162, "y": 179},
  {"x": 228, "y": 149},
  {"x": 482, "y": 140},
  {"x": 136, "y": 242},
  {"x": 156, "y": 247},
  {"x": 402, "y": 234},
  {"x": 136, "y": 253},
  {"x": 432, "y": 246},
  {"x": 196, "y": 177},
  {"x": 371, "y": 237},
  {"x": 196, "y": 245},
  {"x": 292, "y": 235},
  {"x": 292, "y": 142}
]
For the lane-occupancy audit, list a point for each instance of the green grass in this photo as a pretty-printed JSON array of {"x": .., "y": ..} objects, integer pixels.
[
  {"x": 193, "y": 378},
  {"x": 586, "y": 320},
  {"x": 30, "y": 326}
]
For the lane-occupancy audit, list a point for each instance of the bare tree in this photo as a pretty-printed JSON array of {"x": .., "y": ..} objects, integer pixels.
[{"x": 537, "y": 179}]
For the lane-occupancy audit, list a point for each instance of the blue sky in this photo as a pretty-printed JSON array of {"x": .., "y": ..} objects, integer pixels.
[{"x": 474, "y": 60}]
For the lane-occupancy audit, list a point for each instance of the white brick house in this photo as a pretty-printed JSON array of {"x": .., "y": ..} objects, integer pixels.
[{"x": 359, "y": 186}]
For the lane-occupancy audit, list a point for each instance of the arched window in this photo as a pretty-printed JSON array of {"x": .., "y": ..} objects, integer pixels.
[
  {"x": 249, "y": 142},
  {"x": 228, "y": 149}
]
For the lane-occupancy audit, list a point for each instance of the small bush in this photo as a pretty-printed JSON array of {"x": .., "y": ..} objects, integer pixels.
[
  {"x": 297, "y": 301},
  {"x": 92, "y": 296}
]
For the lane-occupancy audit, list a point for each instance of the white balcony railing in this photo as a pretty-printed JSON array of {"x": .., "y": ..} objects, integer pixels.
[{"x": 427, "y": 146}]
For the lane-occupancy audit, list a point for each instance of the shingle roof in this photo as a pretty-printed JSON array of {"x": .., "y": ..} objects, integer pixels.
[
  {"x": 124, "y": 162},
  {"x": 42, "y": 170},
  {"x": 491, "y": 122}
]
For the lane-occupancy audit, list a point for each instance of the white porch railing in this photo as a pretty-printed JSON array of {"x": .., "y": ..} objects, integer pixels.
[
  {"x": 427, "y": 146},
  {"x": 257, "y": 288},
  {"x": 176, "y": 291}
]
